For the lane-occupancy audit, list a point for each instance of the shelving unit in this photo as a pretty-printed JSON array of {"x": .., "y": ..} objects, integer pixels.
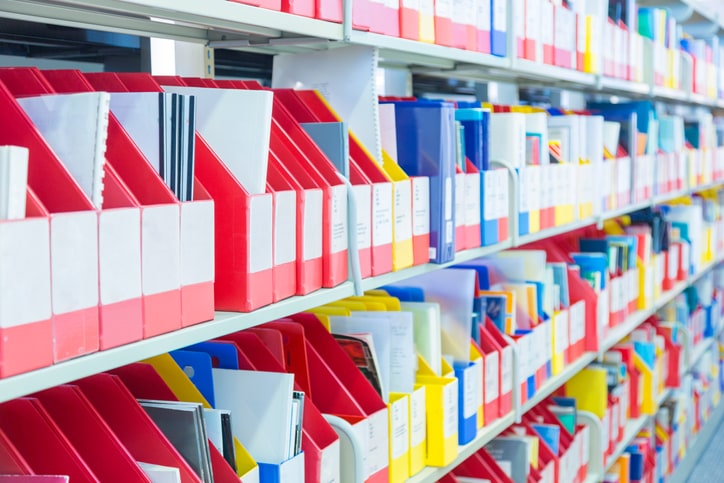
[{"x": 231, "y": 25}]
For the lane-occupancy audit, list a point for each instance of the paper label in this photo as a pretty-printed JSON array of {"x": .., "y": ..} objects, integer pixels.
[
  {"x": 483, "y": 16},
  {"x": 381, "y": 214},
  {"x": 623, "y": 175},
  {"x": 444, "y": 8},
  {"x": 546, "y": 22},
  {"x": 503, "y": 193},
  {"x": 119, "y": 250},
  {"x": 460, "y": 200},
  {"x": 339, "y": 219},
  {"x": 400, "y": 437},
  {"x": 561, "y": 319},
  {"x": 377, "y": 446},
  {"x": 420, "y": 206},
  {"x": 532, "y": 20},
  {"x": 519, "y": 19},
  {"x": 160, "y": 254},
  {"x": 471, "y": 390},
  {"x": 418, "y": 417},
  {"x": 450, "y": 404},
  {"x": 585, "y": 445},
  {"x": 492, "y": 375},
  {"x": 312, "y": 235},
  {"x": 603, "y": 310},
  {"x": 329, "y": 464},
  {"x": 500, "y": 15},
  {"x": 363, "y": 203},
  {"x": 403, "y": 211},
  {"x": 459, "y": 11},
  {"x": 506, "y": 365},
  {"x": 533, "y": 176},
  {"x": 472, "y": 199},
  {"x": 577, "y": 319},
  {"x": 411, "y": 4},
  {"x": 490, "y": 195},
  {"x": 524, "y": 192},
  {"x": 546, "y": 338},
  {"x": 25, "y": 274}
]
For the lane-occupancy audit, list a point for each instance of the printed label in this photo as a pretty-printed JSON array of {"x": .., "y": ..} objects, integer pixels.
[
  {"x": 399, "y": 435},
  {"x": 492, "y": 375}
]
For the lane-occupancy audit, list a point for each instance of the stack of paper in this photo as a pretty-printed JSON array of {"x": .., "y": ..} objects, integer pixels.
[{"x": 163, "y": 125}]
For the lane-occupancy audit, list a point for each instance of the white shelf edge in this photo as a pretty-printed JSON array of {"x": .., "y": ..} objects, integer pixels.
[
  {"x": 223, "y": 323},
  {"x": 485, "y": 435},
  {"x": 460, "y": 257}
]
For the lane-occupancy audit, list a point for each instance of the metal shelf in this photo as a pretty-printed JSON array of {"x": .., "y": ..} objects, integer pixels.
[
  {"x": 223, "y": 323},
  {"x": 460, "y": 257},
  {"x": 189, "y": 20},
  {"x": 412, "y": 53}
]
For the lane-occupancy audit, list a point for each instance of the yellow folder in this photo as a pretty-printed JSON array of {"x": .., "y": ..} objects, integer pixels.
[
  {"x": 401, "y": 204},
  {"x": 418, "y": 429},
  {"x": 648, "y": 401},
  {"x": 559, "y": 330},
  {"x": 398, "y": 419},
  {"x": 442, "y": 415},
  {"x": 389, "y": 303},
  {"x": 590, "y": 389},
  {"x": 427, "y": 21}
]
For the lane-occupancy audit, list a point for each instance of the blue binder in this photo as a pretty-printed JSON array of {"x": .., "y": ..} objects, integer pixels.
[{"x": 426, "y": 145}]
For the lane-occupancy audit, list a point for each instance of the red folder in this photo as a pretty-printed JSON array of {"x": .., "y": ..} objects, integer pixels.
[
  {"x": 580, "y": 290},
  {"x": 121, "y": 317},
  {"x": 329, "y": 10},
  {"x": 41, "y": 442},
  {"x": 443, "y": 22},
  {"x": 493, "y": 469},
  {"x": 196, "y": 236},
  {"x": 27, "y": 264},
  {"x": 341, "y": 389},
  {"x": 73, "y": 224},
  {"x": 90, "y": 435},
  {"x": 305, "y": 155},
  {"x": 506, "y": 367},
  {"x": 308, "y": 106},
  {"x": 547, "y": 35},
  {"x": 11, "y": 461},
  {"x": 309, "y": 268},
  {"x": 334, "y": 243},
  {"x": 491, "y": 359},
  {"x": 241, "y": 225},
  {"x": 409, "y": 20},
  {"x": 132, "y": 425}
]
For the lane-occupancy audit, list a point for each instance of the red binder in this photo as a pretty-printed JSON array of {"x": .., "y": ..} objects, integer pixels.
[
  {"x": 409, "y": 20},
  {"x": 90, "y": 435},
  {"x": 121, "y": 318},
  {"x": 132, "y": 425},
  {"x": 443, "y": 22},
  {"x": 26, "y": 262},
  {"x": 506, "y": 367},
  {"x": 196, "y": 232},
  {"x": 304, "y": 160},
  {"x": 341, "y": 389},
  {"x": 308, "y": 106},
  {"x": 41, "y": 442},
  {"x": 73, "y": 224}
]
